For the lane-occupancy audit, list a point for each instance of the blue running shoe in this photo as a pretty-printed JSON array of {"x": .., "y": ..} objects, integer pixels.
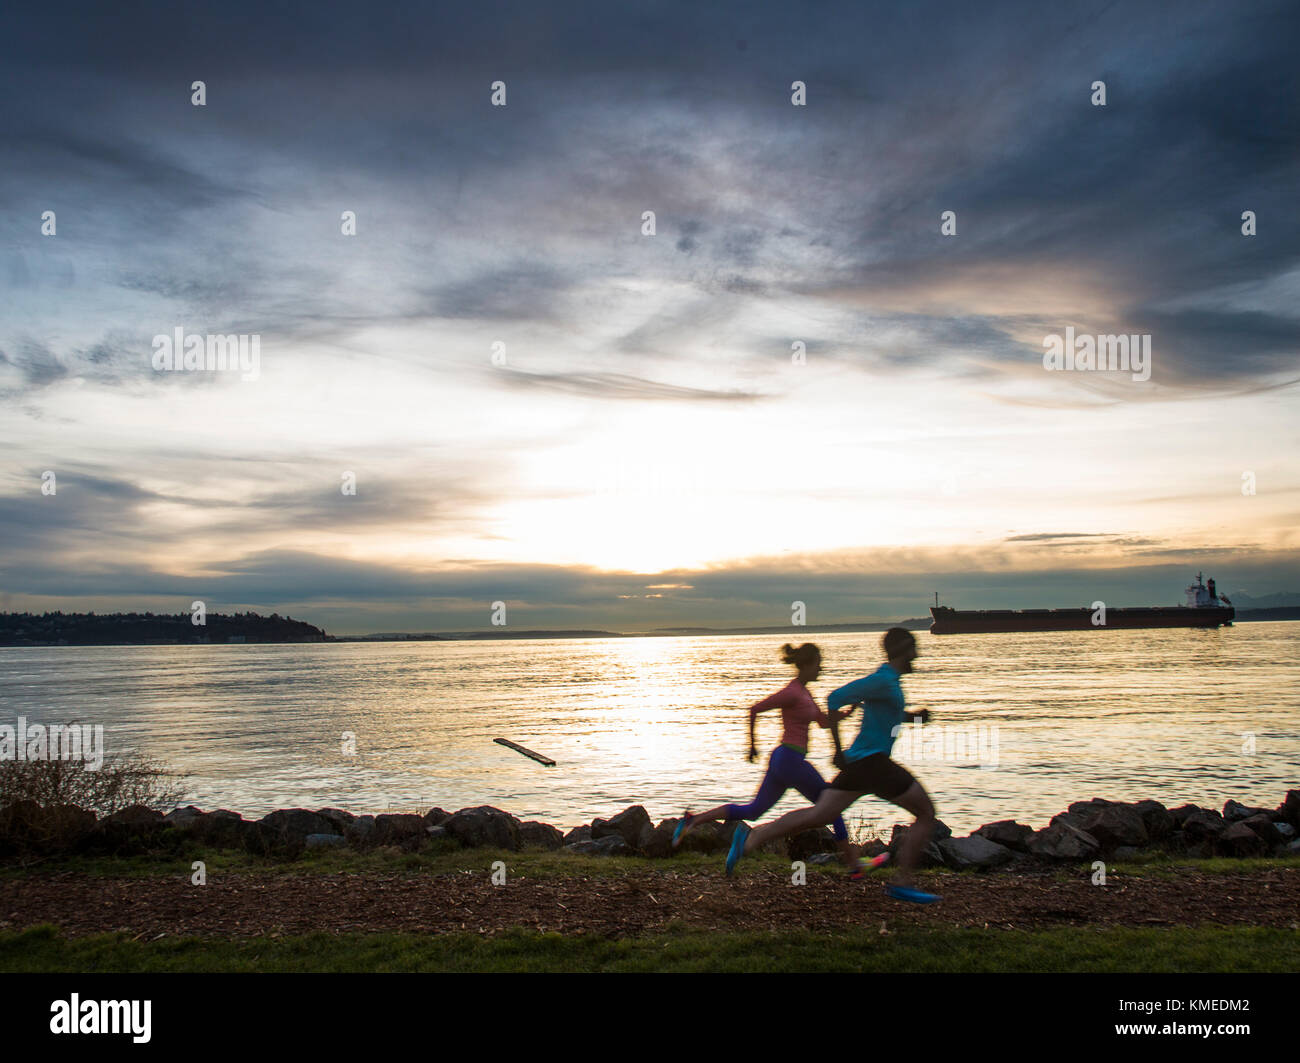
[
  {"x": 906, "y": 893},
  {"x": 683, "y": 825},
  {"x": 737, "y": 846}
]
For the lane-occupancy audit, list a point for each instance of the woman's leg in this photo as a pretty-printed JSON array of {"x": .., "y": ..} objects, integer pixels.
[{"x": 769, "y": 793}]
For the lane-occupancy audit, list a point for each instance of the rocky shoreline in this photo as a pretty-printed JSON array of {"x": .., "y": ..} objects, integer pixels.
[{"x": 1086, "y": 831}]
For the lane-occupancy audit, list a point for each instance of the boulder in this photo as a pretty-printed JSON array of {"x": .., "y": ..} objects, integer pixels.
[
  {"x": 578, "y": 834},
  {"x": 962, "y": 854},
  {"x": 708, "y": 838},
  {"x": 659, "y": 842},
  {"x": 183, "y": 818},
  {"x": 438, "y": 834},
  {"x": 820, "y": 859},
  {"x": 1201, "y": 824},
  {"x": 1235, "y": 811},
  {"x": 807, "y": 843},
  {"x": 1290, "y": 808},
  {"x": 1284, "y": 830},
  {"x": 930, "y": 855},
  {"x": 360, "y": 831},
  {"x": 135, "y": 815},
  {"x": 1114, "y": 825},
  {"x": 609, "y": 845},
  {"x": 405, "y": 830},
  {"x": 324, "y": 841},
  {"x": 295, "y": 824},
  {"x": 484, "y": 827},
  {"x": 1061, "y": 841},
  {"x": 1156, "y": 818},
  {"x": 337, "y": 818},
  {"x": 221, "y": 829},
  {"x": 535, "y": 835},
  {"x": 1293, "y": 848},
  {"x": 632, "y": 825},
  {"x": 1262, "y": 824},
  {"x": 1093, "y": 804},
  {"x": 1237, "y": 839},
  {"x": 436, "y": 817},
  {"x": 1007, "y": 833}
]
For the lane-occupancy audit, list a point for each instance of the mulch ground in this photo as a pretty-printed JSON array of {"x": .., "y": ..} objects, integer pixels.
[{"x": 248, "y": 905}]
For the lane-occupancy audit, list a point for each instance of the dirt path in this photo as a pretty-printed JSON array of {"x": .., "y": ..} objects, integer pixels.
[{"x": 244, "y": 905}]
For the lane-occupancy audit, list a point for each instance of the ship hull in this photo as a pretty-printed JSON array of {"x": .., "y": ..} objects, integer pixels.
[{"x": 948, "y": 621}]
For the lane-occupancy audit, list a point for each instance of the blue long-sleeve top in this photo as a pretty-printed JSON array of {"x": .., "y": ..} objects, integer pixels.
[{"x": 881, "y": 696}]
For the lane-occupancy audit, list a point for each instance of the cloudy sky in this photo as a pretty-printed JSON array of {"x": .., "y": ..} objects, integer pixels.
[{"x": 798, "y": 388}]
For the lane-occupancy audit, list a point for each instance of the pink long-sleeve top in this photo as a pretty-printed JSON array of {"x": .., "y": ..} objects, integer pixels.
[{"x": 798, "y": 710}]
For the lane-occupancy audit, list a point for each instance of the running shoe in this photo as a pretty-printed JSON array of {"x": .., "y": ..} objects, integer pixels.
[
  {"x": 737, "y": 846},
  {"x": 868, "y": 865},
  {"x": 683, "y": 825},
  {"x": 906, "y": 893}
]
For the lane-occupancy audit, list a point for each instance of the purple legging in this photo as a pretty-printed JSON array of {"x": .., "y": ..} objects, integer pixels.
[{"x": 787, "y": 769}]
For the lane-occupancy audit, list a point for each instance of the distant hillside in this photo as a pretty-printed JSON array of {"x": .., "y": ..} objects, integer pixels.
[{"x": 118, "y": 629}]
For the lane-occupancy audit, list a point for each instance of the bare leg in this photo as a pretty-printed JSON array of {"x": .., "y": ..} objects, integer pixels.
[
  {"x": 915, "y": 800},
  {"x": 828, "y": 806},
  {"x": 720, "y": 812}
]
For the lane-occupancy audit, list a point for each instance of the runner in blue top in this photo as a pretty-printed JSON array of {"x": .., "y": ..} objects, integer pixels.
[{"x": 865, "y": 768}]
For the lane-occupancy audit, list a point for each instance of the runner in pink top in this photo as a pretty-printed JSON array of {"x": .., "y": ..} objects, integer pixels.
[{"x": 788, "y": 767}]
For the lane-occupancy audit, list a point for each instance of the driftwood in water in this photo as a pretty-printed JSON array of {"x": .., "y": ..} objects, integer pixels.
[{"x": 547, "y": 761}]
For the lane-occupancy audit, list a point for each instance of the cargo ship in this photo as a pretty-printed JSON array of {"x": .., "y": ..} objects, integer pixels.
[{"x": 1204, "y": 608}]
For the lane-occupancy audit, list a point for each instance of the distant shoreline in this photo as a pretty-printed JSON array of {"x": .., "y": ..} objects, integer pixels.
[{"x": 1285, "y": 613}]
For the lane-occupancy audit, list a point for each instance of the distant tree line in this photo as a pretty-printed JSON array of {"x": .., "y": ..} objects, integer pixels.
[{"x": 109, "y": 629}]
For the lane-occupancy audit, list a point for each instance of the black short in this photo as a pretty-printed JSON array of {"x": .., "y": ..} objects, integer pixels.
[{"x": 876, "y": 774}]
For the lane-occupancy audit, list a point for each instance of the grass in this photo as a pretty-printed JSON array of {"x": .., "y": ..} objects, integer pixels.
[
  {"x": 1115, "y": 950},
  {"x": 445, "y": 858}
]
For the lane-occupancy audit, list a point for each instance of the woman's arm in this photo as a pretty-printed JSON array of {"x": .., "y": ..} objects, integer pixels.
[{"x": 776, "y": 701}]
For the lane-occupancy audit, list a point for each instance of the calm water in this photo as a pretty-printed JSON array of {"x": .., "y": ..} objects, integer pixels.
[{"x": 661, "y": 721}]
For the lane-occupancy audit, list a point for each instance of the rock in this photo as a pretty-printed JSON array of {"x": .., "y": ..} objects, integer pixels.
[
  {"x": 962, "y": 854},
  {"x": 708, "y": 838},
  {"x": 578, "y": 834},
  {"x": 183, "y": 818},
  {"x": 659, "y": 842},
  {"x": 535, "y": 835},
  {"x": 295, "y": 823},
  {"x": 930, "y": 855},
  {"x": 1201, "y": 824},
  {"x": 873, "y": 848},
  {"x": 1126, "y": 852},
  {"x": 1156, "y": 818},
  {"x": 436, "y": 817},
  {"x": 222, "y": 829},
  {"x": 438, "y": 834},
  {"x": 360, "y": 831},
  {"x": 1092, "y": 805},
  {"x": 1114, "y": 825},
  {"x": 1071, "y": 819},
  {"x": 1284, "y": 830},
  {"x": 135, "y": 815},
  {"x": 1007, "y": 833},
  {"x": 324, "y": 841},
  {"x": 632, "y": 825},
  {"x": 821, "y": 859},
  {"x": 405, "y": 830},
  {"x": 484, "y": 827},
  {"x": 1061, "y": 841},
  {"x": 807, "y": 843},
  {"x": 1200, "y": 846},
  {"x": 1293, "y": 848},
  {"x": 1290, "y": 808},
  {"x": 609, "y": 845},
  {"x": 1237, "y": 839},
  {"x": 1262, "y": 824},
  {"x": 1235, "y": 812},
  {"x": 337, "y": 818}
]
